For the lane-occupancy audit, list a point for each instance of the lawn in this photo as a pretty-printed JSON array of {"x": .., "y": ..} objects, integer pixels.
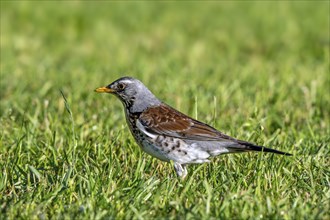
[{"x": 258, "y": 71}]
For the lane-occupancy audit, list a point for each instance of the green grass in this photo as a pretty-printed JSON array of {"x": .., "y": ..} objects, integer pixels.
[{"x": 257, "y": 71}]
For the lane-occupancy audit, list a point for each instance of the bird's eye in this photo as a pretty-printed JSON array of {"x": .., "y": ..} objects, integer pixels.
[{"x": 120, "y": 86}]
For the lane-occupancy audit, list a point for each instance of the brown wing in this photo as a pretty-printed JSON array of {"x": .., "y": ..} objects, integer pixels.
[{"x": 164, "y": 120}]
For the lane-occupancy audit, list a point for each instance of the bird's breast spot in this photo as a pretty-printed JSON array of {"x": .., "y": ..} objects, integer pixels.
[{"x": 153, "y": 150}]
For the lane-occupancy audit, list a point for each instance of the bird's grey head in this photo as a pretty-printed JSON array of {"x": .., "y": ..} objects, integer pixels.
[{"x": 134, "y": 95}]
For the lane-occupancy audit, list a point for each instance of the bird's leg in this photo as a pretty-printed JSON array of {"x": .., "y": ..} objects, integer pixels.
[
  {"x": 181, "y": 170},
  {"x": 185, "y": 172}
]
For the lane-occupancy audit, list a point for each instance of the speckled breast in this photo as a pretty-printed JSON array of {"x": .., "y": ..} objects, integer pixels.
[{"x": 147, "y": 144}]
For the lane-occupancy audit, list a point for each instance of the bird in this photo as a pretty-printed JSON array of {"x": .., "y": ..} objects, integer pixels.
[{"x": 170, "y": 135}]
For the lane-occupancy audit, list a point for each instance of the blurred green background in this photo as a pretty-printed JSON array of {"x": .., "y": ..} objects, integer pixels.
[{"x": 256, "y": 70}]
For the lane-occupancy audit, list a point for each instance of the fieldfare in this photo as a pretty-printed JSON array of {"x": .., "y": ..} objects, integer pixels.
[{"x": 168, "y": 134}]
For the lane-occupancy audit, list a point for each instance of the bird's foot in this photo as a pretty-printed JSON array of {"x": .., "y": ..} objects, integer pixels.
[{"x": 181, "y": 170}]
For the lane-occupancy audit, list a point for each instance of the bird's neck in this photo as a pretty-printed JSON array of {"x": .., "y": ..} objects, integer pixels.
[{"x": 142, "y": 103}]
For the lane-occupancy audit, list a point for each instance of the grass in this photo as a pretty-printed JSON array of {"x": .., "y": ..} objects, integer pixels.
[{"x": 258, "y": 71}]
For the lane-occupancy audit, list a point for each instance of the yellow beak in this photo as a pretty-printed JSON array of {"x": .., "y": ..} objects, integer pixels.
[{"x": 104, "y": 89}]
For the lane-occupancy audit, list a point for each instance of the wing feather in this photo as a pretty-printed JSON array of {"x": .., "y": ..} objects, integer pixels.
[{"x": 164, "y": 120}]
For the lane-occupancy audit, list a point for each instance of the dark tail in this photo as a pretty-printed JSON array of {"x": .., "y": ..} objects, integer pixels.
[{"x": 246, "y": 146}]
